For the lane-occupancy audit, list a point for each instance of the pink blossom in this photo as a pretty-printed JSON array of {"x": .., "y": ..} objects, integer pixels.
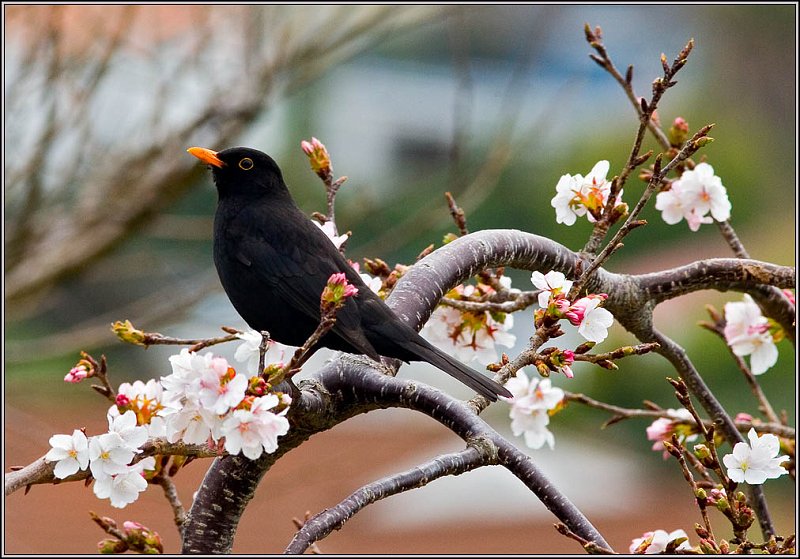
[{"x": 662, "y": 428}]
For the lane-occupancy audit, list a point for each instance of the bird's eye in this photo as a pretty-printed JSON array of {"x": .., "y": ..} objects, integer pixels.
[{"x": 246, "y": 164}]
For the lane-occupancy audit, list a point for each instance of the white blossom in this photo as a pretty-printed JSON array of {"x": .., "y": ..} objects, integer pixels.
[
  {"x": 529, "y": 406},
  {"x": 660, "y": 540},
  {"x": 551, "y": 283},
  {"x": 134, "y": 436},
  {"x": 747, "y": 332},
  {"x": 124, "y": 488},
  {"x": 756, "y": 462},
  {"x": 249, "y": 351},
  {"x": 109, "y": 455},
  {"x": 69, "y": 452},
  {"x": 696, "y": 193},
  {"x": 469, "y": 337},
  {"x": 253, "y": 431},
  {"x": 330, "y": 231},
  {"x": 221, "y": 388},
  {"x": 576, "y": 194}
]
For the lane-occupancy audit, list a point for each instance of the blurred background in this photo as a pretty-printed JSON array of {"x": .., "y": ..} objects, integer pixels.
[{"x": 106, "y": 217}]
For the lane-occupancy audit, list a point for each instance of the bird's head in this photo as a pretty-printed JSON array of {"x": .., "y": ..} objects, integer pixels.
[{"x": 242, "y": 171}]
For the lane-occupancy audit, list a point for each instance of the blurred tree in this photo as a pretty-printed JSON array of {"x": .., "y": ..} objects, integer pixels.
[{"x": 101, "y": 101}]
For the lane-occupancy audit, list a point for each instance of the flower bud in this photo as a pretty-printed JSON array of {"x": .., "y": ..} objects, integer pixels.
[
  {"x": 110, "y": 546},
  {"x": 127, "y": 333},
  {"x": 318, "y": 157},
  {"x": 337, "y": 291},
  {"x": 678, "y": 132},
  {"x": 77, "y": 374},
  {"x": 702, "y": 452}
]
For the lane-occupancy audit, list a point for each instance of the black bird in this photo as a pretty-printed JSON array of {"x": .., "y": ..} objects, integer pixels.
[{"x": 273, "y": 263}]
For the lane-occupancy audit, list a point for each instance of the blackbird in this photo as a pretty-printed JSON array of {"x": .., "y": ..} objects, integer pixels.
[{"x": 273, "y": 263}]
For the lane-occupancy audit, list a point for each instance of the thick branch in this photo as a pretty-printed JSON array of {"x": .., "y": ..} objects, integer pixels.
[{"x": 344, "y": 388}]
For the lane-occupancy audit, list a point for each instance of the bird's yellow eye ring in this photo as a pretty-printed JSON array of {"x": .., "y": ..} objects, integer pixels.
[{"x": 246, "y": 164}]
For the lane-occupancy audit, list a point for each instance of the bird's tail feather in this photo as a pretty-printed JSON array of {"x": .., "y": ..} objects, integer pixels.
[{"x": 453, "y": 367}]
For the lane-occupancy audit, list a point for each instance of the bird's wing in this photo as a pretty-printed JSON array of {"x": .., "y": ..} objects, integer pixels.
[{"x": 298, "y": 274}]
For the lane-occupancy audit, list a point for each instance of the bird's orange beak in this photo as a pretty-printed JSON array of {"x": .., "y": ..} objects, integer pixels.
[{"x": 207, "y": 156}]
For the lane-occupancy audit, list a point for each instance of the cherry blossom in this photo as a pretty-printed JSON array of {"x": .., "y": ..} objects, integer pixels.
[
  {"x": 249, "y": 351},
  {"x": 69, "y": 452},
  {"x": 184, "y": 382},
  {"x": 190, "y": 423},
  {"x": 132, "y": 435},
  {"x": 109, "y": 455},
  {"x": 529, "y": 406},
  {"x": 255, "y": 430},
  {"x": 756, "y": 462},
  {"x": 221, "y": 387},
  {"x": 662, "y": 429},
  {"x": 747, "y": 332},
  {"x": 329, "y": 228},
  {"x": 659, "y": 539},
  {"x": 592, "y": 321},
  {"x": 124, "y": 488},
  {"x": 552, "y": 284},
  {"x": 696, "y": 193},
  {"x": 533, "y": 427},
  {"x": 577, "y": 195},
  {"x": 469, "y": 336}
]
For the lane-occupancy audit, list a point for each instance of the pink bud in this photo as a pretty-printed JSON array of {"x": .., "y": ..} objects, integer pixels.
[
  {"x": 76, "y": 374},
  {"x": 562, "y": 305},
  {"x": 577, "y": 311},
  {"x": 741, "y": 416},
  {"x": 680, "y": 124},
  {"x": 789, "y": 295},
  {"x": 350, "y": 290},
  {"x": 122, "y": 401},
  {"x": 568, "y": 356},
  {"x": 131, "y": 525}
]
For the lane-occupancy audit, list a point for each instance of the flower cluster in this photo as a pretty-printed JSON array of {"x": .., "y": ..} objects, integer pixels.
[
  {"x": 747, "y": 331},
  {"x": 756, "y": 462},
  {"x": 108, "y": 456},
  {"x": 530, "y": 407},
  {"x": 204, "y": 398},
  {"x": 691, "y": 197},
  {"x": 659, "y": 541},
  {"x": 663, "y": 428},
  {"x": 577, "y": 196},
  {"x": 586, "y": 313},
  {"x": 469, "y": 335}
]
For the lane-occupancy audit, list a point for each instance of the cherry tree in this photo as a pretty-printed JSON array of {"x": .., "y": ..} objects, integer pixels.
[{"x": 246, "y": 415}]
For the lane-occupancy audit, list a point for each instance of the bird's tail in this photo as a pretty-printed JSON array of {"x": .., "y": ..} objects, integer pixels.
[{"x": 453, "y": 367}]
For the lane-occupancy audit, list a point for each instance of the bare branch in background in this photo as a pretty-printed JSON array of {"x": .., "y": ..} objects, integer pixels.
[{"x": 72, "y": 198}]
